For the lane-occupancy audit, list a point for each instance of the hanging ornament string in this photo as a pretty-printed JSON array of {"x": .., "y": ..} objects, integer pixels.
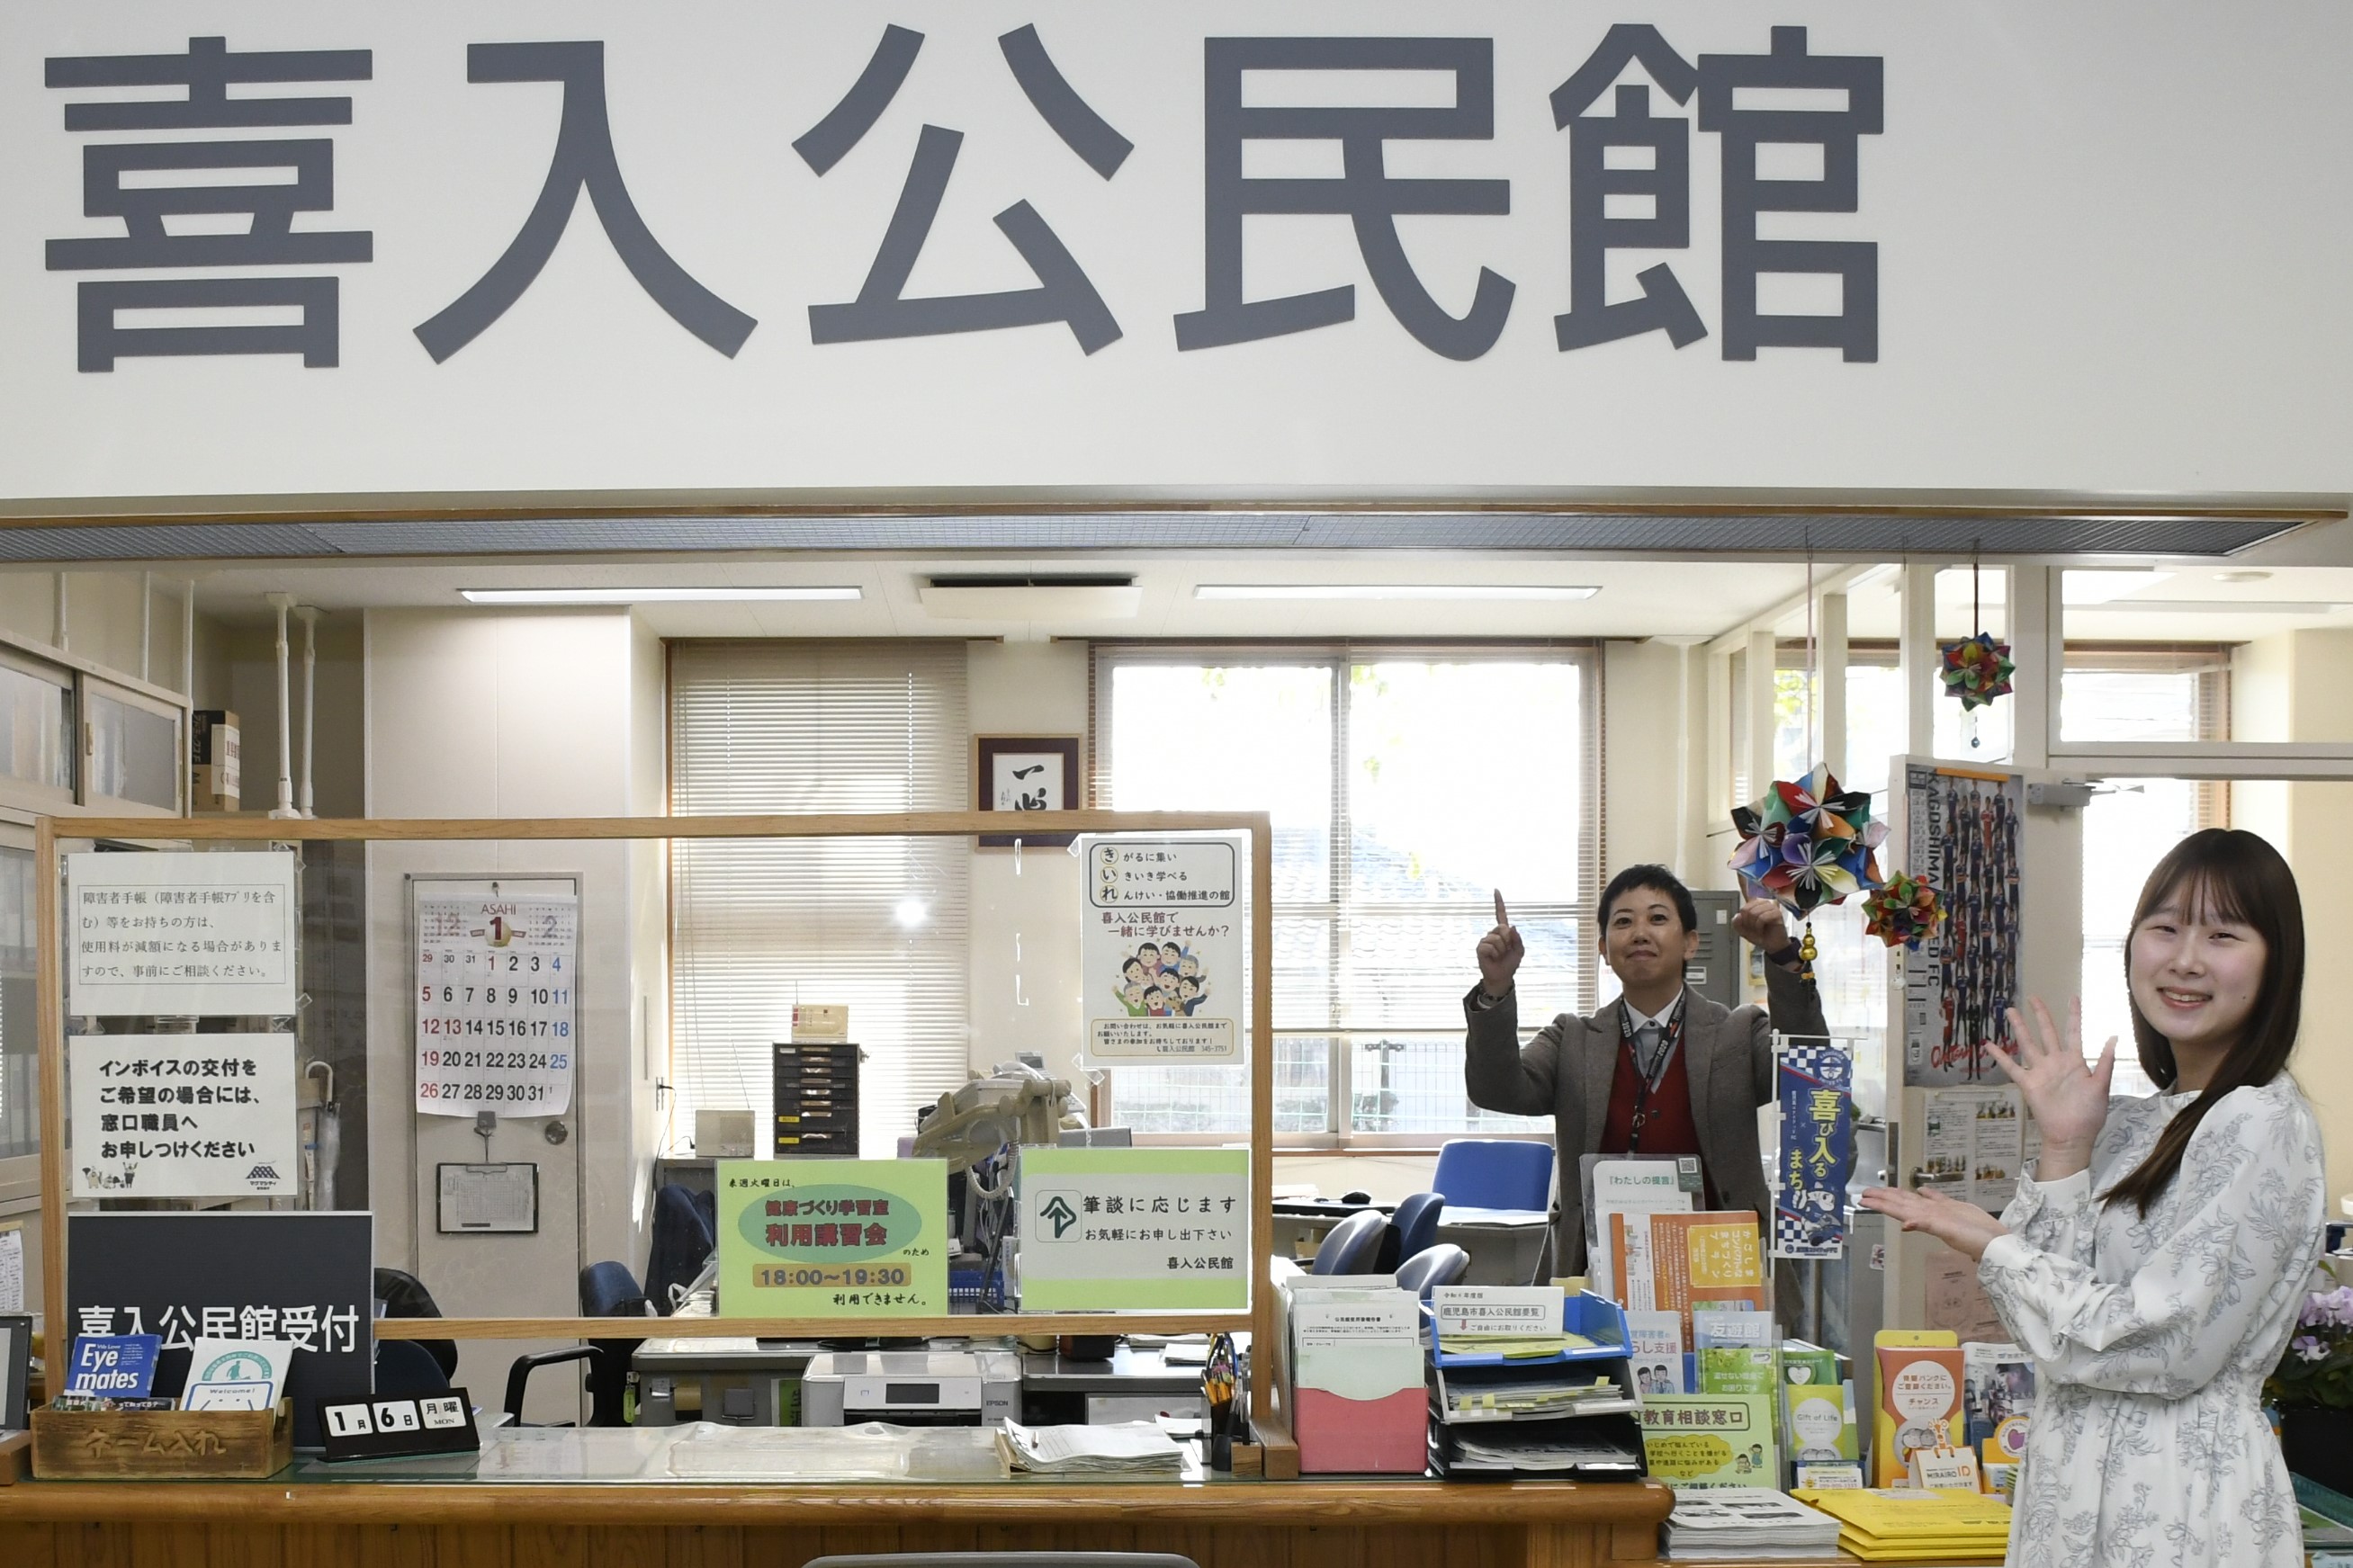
[{"x": 1977, "y": 670}]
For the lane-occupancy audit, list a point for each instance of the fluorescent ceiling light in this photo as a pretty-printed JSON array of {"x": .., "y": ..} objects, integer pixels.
[
  {"x": 1390, "y": 591},
  {"x": 649, "y": 595}
]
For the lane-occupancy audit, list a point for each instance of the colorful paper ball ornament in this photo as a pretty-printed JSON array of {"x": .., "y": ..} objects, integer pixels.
[
  {"x": 1976, "y": 670},
  {"x": 1807, "y": 843},
  {"x": 1903, "y": 912}
]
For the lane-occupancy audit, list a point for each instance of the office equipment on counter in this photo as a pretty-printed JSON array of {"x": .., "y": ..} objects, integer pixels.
[
  {"x": 1564, "y": 1415},
  {"x": 1217, "y": 1380},
  {"x": 726, "y": 1134},
  {"x": 816, "y": 1099},
  {"x": 1358, "y": 1401},
  {"x": 1135, "y": 1383},
  {"x": 735, "y": 1382},
  {"x": 392, "y": 1427},
  {"x": 912, "y": 1388}
]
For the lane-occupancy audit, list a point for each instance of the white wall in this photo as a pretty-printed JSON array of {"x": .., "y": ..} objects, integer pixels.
[
  {"x": 1024, "y": 904},
  {"x": 473, "y": 713}
]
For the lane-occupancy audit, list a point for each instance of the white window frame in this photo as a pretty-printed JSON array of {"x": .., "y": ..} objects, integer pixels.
[{"x": 1338, "y": 1136}]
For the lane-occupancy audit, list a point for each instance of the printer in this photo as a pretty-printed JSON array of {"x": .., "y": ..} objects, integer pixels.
[{"x": 912, "y": 1388}]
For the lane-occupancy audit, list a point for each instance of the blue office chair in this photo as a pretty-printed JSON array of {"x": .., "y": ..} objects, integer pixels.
[
  {"x": 1416, "y": 1222},
  {"x": 1352, "y": 1246},
  {"x": 1494, "y": 1173},
  {"x": 405, "y": 1369},
  {"x": 1434, "y": 1266}
]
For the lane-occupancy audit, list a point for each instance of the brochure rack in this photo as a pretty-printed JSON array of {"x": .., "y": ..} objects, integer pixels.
[{"x": 1600, "y": 1439}]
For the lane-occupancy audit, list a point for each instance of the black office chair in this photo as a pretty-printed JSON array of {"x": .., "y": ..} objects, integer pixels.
[
  {"x": 405, "y": 1369},
  {"x": 1352, "y": 1246},
  {"x": 607, "y": 1290},
  {"x": 1432, "y": 1266},
  {"x": 405, "y": 1296},
  {"x": 682, "y": 1242}
]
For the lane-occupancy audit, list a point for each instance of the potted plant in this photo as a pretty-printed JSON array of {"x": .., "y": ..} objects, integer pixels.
[{"x": 2312, "y": 1389}]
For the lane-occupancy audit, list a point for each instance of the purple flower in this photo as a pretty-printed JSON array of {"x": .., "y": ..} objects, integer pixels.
[{"x": 2308, "y": 1347}]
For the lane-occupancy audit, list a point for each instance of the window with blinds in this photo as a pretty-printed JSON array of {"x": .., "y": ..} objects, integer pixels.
[
  {"x": 1405, "y": 784},
  {"x": 876, "y": 924}
]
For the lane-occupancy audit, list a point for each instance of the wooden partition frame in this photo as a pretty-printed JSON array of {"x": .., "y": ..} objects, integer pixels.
[{"x": 1258, "y": 1318}]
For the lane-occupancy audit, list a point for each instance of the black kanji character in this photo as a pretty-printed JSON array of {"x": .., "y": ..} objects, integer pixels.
[
  {"x": 1364, "y": 193},
  {"x": 584, "y": 160},
  {"x": 1854, "y": 329},
  {"x": 1666, "y": 184},
  {"x": 883, "y": 310},
  {"x": 206, "y": 71}
]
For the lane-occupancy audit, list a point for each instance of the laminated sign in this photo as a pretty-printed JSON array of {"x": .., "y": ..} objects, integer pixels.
[
  {"x": 183, "y": 1116},
  {"x": 1160, "y": 949},
  {"x": 497, "y": 1013},
  {"x": 180, "y": 932},
  {"x": 1109, "y": 1228},
  {"x": 833, "y": 1239}
]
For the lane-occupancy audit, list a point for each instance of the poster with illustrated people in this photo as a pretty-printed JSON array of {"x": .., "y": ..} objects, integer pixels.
[
  {"x": 1162, "y": 949},
  {"x": 1961, "y": 834}
]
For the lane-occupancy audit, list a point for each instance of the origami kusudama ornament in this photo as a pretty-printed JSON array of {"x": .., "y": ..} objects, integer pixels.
[
  {"x": 1976, "y": 670},
  {"x": 1902, "y": 912},
  {"x": 1807, "y": 843}
]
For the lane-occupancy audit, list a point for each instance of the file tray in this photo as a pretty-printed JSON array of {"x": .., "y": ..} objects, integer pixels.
[
  {"x": 1582, "y": 1448},
  {"x": 1598, "y": 1318}
]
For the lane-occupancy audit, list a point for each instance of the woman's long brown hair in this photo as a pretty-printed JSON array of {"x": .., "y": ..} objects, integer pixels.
[{"x": 2220, "y": 873}]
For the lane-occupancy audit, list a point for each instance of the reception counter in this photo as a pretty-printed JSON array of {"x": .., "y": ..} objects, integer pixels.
[{"x": 304, "y": 1520}]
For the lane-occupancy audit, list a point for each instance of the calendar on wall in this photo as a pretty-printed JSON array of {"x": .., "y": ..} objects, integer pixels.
[{"x": 497, "y": 1003}]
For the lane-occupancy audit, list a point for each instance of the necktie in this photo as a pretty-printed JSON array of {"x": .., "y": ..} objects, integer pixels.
[{"x": 1649, "y": 1052}]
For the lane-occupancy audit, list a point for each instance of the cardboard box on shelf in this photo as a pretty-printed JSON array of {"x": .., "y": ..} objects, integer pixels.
[{"x": 213, "y": 748}]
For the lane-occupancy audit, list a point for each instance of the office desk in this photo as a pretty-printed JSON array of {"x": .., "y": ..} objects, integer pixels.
[
  {"x": 742, "y": 1383},
  {"x": 1135, "y": 1385}
]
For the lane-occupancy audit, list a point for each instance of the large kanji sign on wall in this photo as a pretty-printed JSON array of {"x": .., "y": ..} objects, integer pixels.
[{"x": 270, "y": 247}]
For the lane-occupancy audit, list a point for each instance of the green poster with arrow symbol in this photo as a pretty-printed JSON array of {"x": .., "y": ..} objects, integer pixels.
[{"x": 1107, "y": 1229}]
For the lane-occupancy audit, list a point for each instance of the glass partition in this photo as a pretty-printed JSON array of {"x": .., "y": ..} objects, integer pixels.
[{"x": 530, "y": 1048}]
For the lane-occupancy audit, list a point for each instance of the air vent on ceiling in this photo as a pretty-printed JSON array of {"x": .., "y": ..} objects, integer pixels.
[{"x": 1032, "y": 597}]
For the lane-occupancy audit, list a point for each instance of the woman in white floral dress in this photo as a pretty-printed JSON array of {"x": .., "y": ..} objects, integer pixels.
[{"x": 2156, "y": 1263}]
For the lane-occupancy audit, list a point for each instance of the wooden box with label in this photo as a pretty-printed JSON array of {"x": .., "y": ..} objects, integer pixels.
[{"x": 150, "y": 1444}]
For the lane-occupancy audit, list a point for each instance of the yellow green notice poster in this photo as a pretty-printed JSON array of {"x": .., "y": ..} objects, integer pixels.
[
  {"x": 833, "y": 1239},
  {"x": 1103, "y": 1229}
]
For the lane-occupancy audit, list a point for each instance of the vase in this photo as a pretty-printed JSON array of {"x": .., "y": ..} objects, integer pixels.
[{"x": 2319, "y": 1445}]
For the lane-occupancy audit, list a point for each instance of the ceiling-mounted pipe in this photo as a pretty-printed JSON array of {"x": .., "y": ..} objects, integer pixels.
[
  {"x": 309, "y": 616},
  {"x": 285, "y": 806}
]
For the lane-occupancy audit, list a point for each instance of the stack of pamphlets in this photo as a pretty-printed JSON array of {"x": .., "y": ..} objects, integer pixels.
[
  {"x": 1123, "y": 1448},
  {"x": 1750, "y": 1523},
  {"x": 1500, "y": 1401},
  {"x": 1898, "y": 1525}
]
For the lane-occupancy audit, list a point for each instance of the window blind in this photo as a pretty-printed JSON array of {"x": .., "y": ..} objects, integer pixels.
[{"x": 877, "y": 924}]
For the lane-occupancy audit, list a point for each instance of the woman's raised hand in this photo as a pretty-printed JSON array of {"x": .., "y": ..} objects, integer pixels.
[{"x": 2067, "y": 1097}]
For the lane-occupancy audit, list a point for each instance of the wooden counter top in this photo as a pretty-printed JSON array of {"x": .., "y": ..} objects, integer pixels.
[{"x": 1307, "y": 1502}]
